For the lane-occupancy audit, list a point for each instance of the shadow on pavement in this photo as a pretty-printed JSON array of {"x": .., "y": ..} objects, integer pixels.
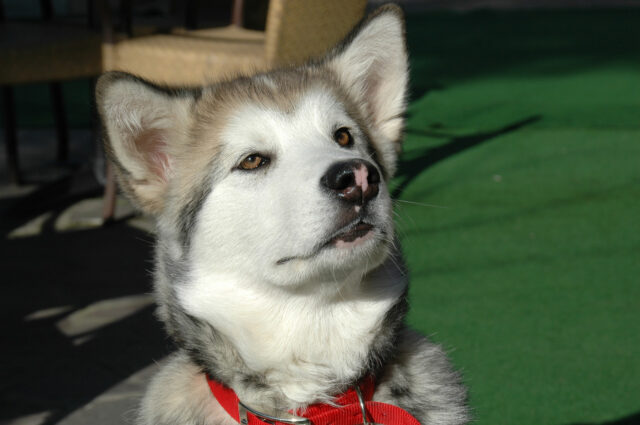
[{"x": 63, "y": 344}]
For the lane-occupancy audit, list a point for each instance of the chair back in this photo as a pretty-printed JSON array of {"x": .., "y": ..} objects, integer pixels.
[{"x": 300, "y": 29}]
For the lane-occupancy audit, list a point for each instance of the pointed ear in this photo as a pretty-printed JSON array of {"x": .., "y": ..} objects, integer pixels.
[
  {"x": 143, "y": 126},
  {"x": 372, "y": 64}
]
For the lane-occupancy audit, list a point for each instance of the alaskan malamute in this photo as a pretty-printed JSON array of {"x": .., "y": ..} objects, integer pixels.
[{"x": 277, "y": 273}]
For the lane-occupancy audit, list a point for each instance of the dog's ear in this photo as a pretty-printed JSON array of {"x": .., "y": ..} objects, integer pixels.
[
  {"x": 372, "y": 65},
  {"x": 144, "y": 127}
]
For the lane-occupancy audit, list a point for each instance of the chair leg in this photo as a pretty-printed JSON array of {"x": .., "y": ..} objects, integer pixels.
[
  {"x": 237, "y": 13},
  {"x": 10, "y": 134},
  {"x": 109, "y": 197},
  {"x": 59, "y": 116}
]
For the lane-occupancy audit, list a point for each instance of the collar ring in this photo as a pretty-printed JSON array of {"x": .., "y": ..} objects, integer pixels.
[{"x": 362, "y": 406}]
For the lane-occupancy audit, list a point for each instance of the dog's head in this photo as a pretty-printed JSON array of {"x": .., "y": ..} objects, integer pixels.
[{"x": 278, "y": 178}]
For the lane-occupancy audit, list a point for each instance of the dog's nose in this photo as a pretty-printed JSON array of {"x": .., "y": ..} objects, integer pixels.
[{"x": 355, "y": 181}]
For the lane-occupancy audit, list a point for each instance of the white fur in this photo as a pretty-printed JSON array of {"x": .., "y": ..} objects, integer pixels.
[
  {"x": 285, "y": 319},
  {"x": 282, "y": 211}
]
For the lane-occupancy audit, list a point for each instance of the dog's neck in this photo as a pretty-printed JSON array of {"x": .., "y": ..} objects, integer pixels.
[{"x": 289, "y": 351}]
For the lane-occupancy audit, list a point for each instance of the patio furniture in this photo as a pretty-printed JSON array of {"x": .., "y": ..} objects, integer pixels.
[{"x": 43, "y": 51}]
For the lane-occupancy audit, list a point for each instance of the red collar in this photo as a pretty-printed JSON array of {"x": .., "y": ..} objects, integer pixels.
[{"x": 350, "y": 409}]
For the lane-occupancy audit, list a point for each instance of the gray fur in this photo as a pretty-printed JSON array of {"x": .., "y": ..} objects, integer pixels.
[{"x": 420, "y": 379}]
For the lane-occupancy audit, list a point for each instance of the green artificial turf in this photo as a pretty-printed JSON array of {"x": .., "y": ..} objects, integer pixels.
[
  {"x": 524, "y": 133},
  {"x": 524, "y": 136}
]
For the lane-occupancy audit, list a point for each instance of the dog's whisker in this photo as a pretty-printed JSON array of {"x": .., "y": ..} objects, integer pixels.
[{"x": 421, "y": 204}]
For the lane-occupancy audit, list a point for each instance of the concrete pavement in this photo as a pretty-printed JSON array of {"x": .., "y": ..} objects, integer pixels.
[{"x": 79, "y": 337}]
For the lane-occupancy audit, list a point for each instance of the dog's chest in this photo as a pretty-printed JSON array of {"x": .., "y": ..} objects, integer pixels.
[{"x": 306, "y": 350}]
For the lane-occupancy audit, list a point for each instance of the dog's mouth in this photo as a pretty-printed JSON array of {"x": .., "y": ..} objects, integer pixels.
[
  {"x": 351, "y": 233},
  {"x": 345, "y": 237}
]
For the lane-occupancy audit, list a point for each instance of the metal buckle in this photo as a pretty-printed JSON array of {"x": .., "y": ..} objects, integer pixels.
[
  {"x": 244, "y": 419},
  {"x": 362, "y": 408}
]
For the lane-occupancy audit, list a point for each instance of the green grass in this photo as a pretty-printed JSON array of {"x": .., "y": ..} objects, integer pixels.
[{"x": 526, "y": 127}]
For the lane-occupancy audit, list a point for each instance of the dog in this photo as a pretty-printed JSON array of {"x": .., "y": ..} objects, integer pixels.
[{"x": 277, "y": 271}]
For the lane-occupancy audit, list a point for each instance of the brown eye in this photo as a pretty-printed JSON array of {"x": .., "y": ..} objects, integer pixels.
[
  {"x": 343, "y": 137},
  {"x": 253, "y": 161}
]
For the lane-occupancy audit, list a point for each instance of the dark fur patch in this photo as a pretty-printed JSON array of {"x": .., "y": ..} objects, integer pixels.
[
  {"x": 188, "y": 213},
  {"x": 400, "y": 391}
]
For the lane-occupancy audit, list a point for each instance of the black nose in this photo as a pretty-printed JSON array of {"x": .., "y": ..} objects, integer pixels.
[{"x": 354, "y": 181}]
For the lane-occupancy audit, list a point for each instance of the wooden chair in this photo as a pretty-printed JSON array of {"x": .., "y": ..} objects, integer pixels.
[
  {"x": 43, "y": 51},
  {"x": 295, "y": 31}
]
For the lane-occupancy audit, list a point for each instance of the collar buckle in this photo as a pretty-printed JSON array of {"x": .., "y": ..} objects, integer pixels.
[{"x": 291, "y": 419}]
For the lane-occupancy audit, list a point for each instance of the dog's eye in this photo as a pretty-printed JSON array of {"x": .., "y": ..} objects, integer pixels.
[
  {"x": 253, "y": 161},
  {"x": 343, "y": 137}
]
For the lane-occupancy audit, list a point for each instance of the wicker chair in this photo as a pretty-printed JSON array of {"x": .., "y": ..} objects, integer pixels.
[
  {"x": 295, "y": 30},
  {"x": 44, "y": 51}
]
